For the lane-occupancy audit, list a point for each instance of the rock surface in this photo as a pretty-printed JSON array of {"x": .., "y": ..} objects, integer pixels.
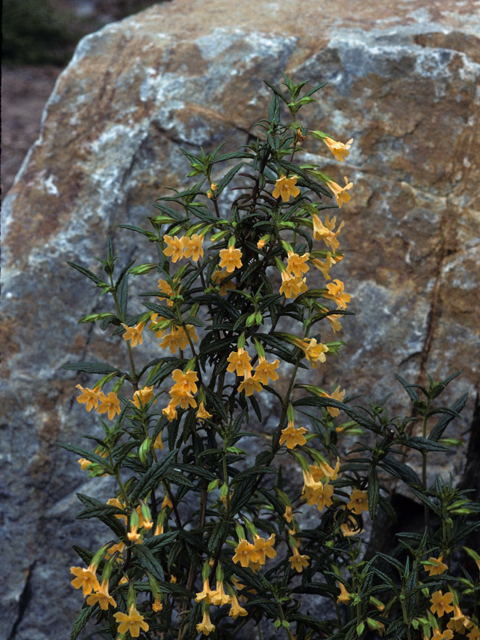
[{"x": 403, "y": 82}]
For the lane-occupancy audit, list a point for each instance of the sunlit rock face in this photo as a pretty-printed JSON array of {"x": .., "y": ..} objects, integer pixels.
[{"x": 402, "y": 81}]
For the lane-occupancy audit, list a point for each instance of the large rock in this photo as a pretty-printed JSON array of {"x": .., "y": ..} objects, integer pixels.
[{"x": 403, "y": 82}]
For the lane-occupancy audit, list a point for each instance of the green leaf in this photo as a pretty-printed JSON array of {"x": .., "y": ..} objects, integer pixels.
[
  {"x": 84, "y": 554},
  {"x": 82, "y": 619},
  {"x": 228, "y": 177},
  {"x": 276, "y": 92},
  {"x": 253, "y": 471},
  {"x": 122, "y": 292},
  {"x": 400, "y": 470},
  {"x": 88, "y": 274},
  {"x": 437, "y": 431},
  {"x": 423, "y": 444},
  {"x": 373, "y": 493},
  {"x": 158, "y": 542},
  {"x": 148, "y": 561},
  {"x": 409, "y": 388},
  {"x": 362, "y": 420},
  {"x": 153, "y": 476},
  {"x": 90, "y": 367},
  {"x": 108, "y": 518},
  {"x": 89, "y": 455}
]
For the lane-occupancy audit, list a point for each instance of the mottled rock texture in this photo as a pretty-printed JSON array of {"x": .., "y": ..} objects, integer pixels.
[{"x": 403, "y": 82}]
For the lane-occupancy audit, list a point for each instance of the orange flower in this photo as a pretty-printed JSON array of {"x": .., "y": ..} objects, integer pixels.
[
  {"x": 264, "y": 547},
  {"x": 298, "y": 561},
  {"x": 296, "y": 264},
  {"x": 441, "y": 603},
  {"x": 358, "y": 502},
  {"x": 293, "y": 436},
  {"x": 442, "y": 635},
  {"x": 131, "y": 622},
  {"x": 266, "y": 370},
  {"x": 182, "y": 398},
  {"x": 110, "y": 404},
  {"x": 175, "y": 247},
  {"x": 155, "y": 319},
  {"x": 236, "y": 610},
  {"x": 231, "y": 259},
  {"x": 325, "y": 231},
  {"x": 239, "y": 362},
  {"x": 218, "y": 277},
  {"x": 292, "y": 286},
  {"x": 338, "y": 149},
  {"x": 157, "y": 605},
  {"x": 336, "y": 395},
  {"x": 458, "y": 622},
  {"x": 88, "y": 396},
  {"x": 202, "y": 413},
  {"x": 205, "y": 594},
  {"x": 170, "y": 412},
  {"x": 219, "y": 597},
  {"x": 335, "y": 322},
  {"x": 344, "y": 596},
  {"x": 85, "y": 579},
  {"x": 285, "y": 187},
  {"x": 474, "y": 634},
  {"x": 185, "y": 382},
  {"x": 167, "y": 290},
  {"x": 84, "y": 463},
  {"x": 193, "y": 247},
  {"x": 324, "y": 267},
  {"x": 324, "y": 496},
  {"x": 288, "y": 515},
  {"x": 249, "y": 385},
  {"x": 335, "y": 293},
  {"x": 158, "y": 443},
  {"x": 143, "y": 397},
  {"x": 206, "y": 625},
  {"x": 134, "y": 333},
  {"x": 102, "y": 597},
  {"x": 245, "y": 553},
  {"x": 314, "y": 352},
  {"x": 339, "y": 192},
  {"x": 437, "y": 568}
]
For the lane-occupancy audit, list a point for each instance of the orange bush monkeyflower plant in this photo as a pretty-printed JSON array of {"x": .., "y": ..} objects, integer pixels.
[{"x": 202, "y": 439}]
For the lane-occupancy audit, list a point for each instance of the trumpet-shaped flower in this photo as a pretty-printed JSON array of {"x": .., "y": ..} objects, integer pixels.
[
  {"x": 178, "y": 339},
  {"x": 155, "y": 319},
  {"x": 437, "y": 567},
  {"x": 441, "y": 603},
  {"x": 131, "y": 622},
  {"x": 249, "y": 385},
  {"x": 86, "y": 579},
  {"x": 325, "y": 496},
  {"x": 239, "y": 362},
  {"x": 102, "y": 597},
  {"x": 336, "y": 395},
  {"x": 314, "y": 352},
  {"x": 297, "y": 264},
  {"x": 157, "y": 605},
  {"x": 288, "y": 515},
  {"x": 143, "y": 397},
  {"x": 292, "y": 286},
  {"x": 202, "y": 413},
  {"x": 339, "y": 149},
  {"x": 324, "y": 267},
  {"x": 185, "y": 382},
  {"x": 335, "y": 293},
  {"x": 458, "y": 622},
  {"x": 89, "y": 396},
  {"x": 193, "y": 247},
  {"x": 358, "y": 502},
  {"x": 230, "y": 259},
  {"x": 219, "y": 597},
  {"x": 442, "y": 635},
  {"x": 327, "y": 470},
  {"x": 218, "y": 277},
  {"x": 182, "y": 398},
  {"x": 325, "y": 231},
  {"x": 134, "y": 333},
  {"x": 205, "y": 626},
  {"x": 298, "y": 561},
  {"x": 175, "y": 247},
  {"x": 109, "y": 404},
  {"x": 474, "y": 634},
  {"x": 84, "y": 463},
  {"x": 264, "y": 548},
  {"x": 335, "y": 322},
  {"x": 170, "y": 412},
  {"x": 293, "y": 436},
  {"x": 285, "y": 187},
  {"x": 236, "y": 610},
  {"x": 245, "y": 553},
  {"x": 344, "y": 596},
  {"x": 166, "y": 289},
  {"x": 206, "y": 593},
  {"x": 340, "y": 192},
  {"x": 266, "y": 370}
]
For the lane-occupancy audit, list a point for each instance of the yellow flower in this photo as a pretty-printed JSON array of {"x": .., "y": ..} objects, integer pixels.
[
  {"x": 202, "y": 413},
  {"x": 350, "y": 527},
  {"x": 325, "y": 231},
  {"x": 314, "y": 352},
  {"x": 266, "y": 370},
  {"x": 231, "y": 259},
  {"x": 155, "y": 319},
  {"x": 205, "y": 594},
  {"x": 236, "y": 610},
  {"x": 239, "y": 362},
  {"x": 442, "y": 635},
  {"x": 170, "y": 412},
  {"x": 178, "y": 339},
  {"x": 293, "y": 436},
  {"x": 245, "y": 553},
  {"x": 249, "y": 385},
  {"x": 213, "y": 186},
  {"x": 264, "y": 548},
  {"x": 285, "y": 187},
  {"x": 143, "y": 397},
  {"x": 218, "y": 277},
  {"x": 380, "y": 628},
  {"x": 182, "y": 398},
  {"x": 206, "y": 626},
  {"x": 298, "y": 561},
  {"x": 134, "y": 333},
  {"x": 338, "y": 149},
  {"x": 441, "y": 603},
  {"x": 85, "y": 579},
  {"x": 344, "y": 596},
  {"x": 110, "y": 404},
  {"x": 335, "y": 322},
  {"x": 133, "y": 534},
  {"x": 335, "y": 293},
  {"x": 296, "y": 264},
  {"x": 438, "y": 567},
  {"x": 120, "y": 547},
  {"x": 88, "y": 396},
  {"x": 458, "y": 622},
  {"x": 261, "y": 243},
  {"x": 324, "y": 267},
  {"x": 292, "y": 286},
  {"x": 311, "y": 488},
  {"x": 474, "y": 634},
  {"x": 167, "y": 290},
  {"x": 219, "y": 597},
  {"x": 288, "y": 515},
  {"x": 168, "y": 503},
  {"x": 339, "y": 192},
  {"x": 102, "y": 597},
  {"x": 158, "y": 529},
  {"x": 185, "y": 382},
  {"x": 132, "y": 622},
  {"x": 336, "y": 395},
  {"x": 358, "y": 502},
  {"x": 158, "y": 444},
  {"x": 175, "y": 247},
  {"x": 84, "y": 463},
  {"x": 157, "y": 605},
  {"x": 193, "y": 247}
]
